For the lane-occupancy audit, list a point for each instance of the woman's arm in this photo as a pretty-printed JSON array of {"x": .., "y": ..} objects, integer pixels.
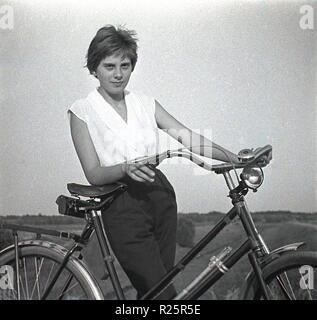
[
  {"x": 190, "y": 138},
  {"x": 96, "y": 174}
]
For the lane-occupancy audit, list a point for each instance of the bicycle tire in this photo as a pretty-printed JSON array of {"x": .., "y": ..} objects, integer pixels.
[
  {"x": 291, "y": 273},
  {"x": 36, "y": 259}
]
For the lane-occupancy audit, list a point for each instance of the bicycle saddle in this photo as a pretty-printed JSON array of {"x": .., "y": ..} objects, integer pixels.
[{"x": 95, "y": 191}]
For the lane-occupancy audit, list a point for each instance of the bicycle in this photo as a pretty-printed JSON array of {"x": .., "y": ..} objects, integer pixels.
[{"x": 46, "y": 270}]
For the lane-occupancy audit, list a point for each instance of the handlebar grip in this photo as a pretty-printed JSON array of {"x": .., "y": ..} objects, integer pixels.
[{"x": 264, "y": 150}]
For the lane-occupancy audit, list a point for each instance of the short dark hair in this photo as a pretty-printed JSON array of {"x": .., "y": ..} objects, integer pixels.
[{"x": 108, "y": 41}]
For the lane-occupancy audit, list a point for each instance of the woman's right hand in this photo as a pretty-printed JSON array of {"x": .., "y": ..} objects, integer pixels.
[{"x": 138, "y": 171}]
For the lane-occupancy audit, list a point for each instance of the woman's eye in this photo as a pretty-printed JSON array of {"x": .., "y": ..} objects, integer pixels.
[{"x": 111, "y": 67}]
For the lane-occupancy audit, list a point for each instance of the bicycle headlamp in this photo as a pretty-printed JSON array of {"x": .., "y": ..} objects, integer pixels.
[{"x": 252, "y": 176}]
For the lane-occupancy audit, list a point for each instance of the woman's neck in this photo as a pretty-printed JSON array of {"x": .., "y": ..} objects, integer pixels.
[{"x": 114, "y": 100}]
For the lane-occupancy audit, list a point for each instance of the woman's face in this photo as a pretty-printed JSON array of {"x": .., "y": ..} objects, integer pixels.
[{"x": 113, "y": 73}]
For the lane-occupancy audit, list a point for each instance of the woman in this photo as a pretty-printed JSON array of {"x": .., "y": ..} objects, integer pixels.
[{"x": 109, "y": 128}]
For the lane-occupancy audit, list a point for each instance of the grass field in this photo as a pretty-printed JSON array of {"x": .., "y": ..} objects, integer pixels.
[{"x": 276, "y": 233}]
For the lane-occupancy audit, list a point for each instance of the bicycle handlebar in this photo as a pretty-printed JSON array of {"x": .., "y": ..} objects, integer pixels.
[{"x": 219, "y": 168}]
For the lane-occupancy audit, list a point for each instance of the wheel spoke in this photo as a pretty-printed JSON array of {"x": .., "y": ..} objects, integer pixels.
[
  {"x": 37, "y": 275},
  {"x": 49, "y": 275},
  {"x": 284, "y": 289},
  {"x": 22, "y": 286},
  {"x": 289, "y": 285},
  {"x": 42, "y": 268},
  {"x": 67, "y": 289},
  {"x": 66, "y": 285},
  {"x": 26, "y": 279}
]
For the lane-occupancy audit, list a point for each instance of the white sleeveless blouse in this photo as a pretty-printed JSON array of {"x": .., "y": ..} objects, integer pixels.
[{"x": 114, "y": 139}]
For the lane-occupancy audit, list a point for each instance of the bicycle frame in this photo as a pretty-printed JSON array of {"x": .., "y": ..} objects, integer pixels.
[
  {"x": 254, "y": 245},
  {"x": 258, "y": 253}
]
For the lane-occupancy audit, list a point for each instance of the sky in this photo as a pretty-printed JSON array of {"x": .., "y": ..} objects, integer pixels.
[{"x": 243, "y": 73}]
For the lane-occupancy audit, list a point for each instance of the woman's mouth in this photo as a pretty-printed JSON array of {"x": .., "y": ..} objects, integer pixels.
[{"x": 117, "y": 84}]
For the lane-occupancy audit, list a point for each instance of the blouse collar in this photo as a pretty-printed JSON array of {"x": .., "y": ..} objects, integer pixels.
[{"x": 125, "y": 130}]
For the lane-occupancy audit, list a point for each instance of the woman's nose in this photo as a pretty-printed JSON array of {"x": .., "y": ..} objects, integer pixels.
[{"x": 118, "y": 74}]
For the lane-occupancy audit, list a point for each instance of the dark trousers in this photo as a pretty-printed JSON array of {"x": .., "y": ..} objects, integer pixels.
[{"x": 141, "y": 228}]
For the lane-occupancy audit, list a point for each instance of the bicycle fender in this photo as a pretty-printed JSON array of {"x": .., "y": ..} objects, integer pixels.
[
  {"x": 288, "y": 247},
  {"x": 268, "y": 259},
  {"x": 62, "y": 251},
  {"x": 56, "y": 247}
]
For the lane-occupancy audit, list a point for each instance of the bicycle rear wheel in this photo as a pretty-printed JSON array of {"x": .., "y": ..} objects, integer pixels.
[
  {"x": 37, "y": 267},
  {"x": 290, "y": 277}
]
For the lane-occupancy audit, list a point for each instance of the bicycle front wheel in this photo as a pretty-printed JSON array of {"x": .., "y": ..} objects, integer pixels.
[
  {"x": 290, "y": 277},
  {"x": 38, "y": 266}
]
